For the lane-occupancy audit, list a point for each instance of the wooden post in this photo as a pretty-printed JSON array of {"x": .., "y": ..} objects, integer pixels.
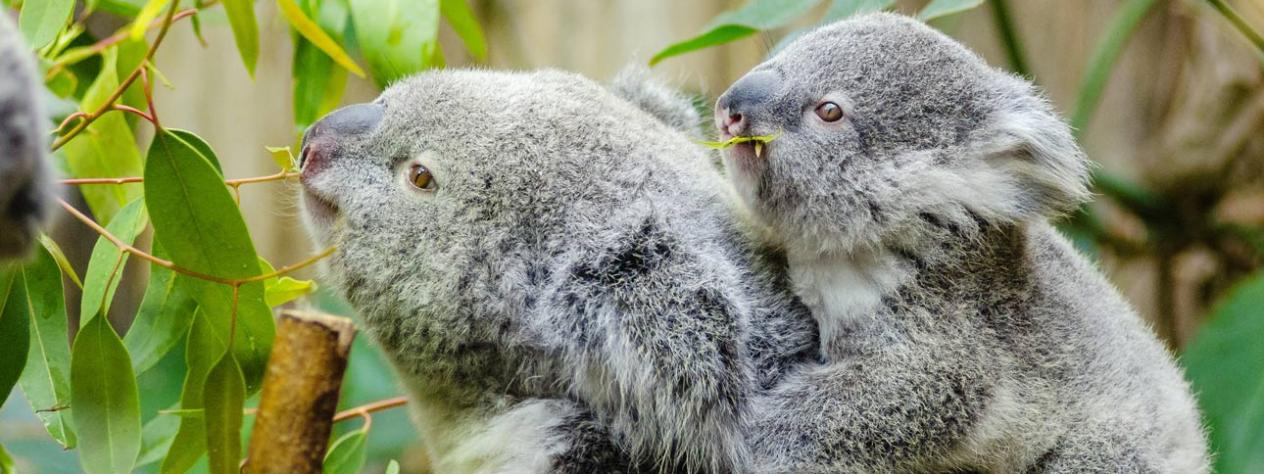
[{"x": 300, "y": 393}]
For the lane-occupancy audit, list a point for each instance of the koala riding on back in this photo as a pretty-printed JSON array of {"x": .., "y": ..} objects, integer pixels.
[{"x": 911, "y": 185}]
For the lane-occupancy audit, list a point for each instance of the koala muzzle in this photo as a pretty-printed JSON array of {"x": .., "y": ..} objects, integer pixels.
[
  {"x": 743, "y": 102},
  {"x": 344, "y": 123}
]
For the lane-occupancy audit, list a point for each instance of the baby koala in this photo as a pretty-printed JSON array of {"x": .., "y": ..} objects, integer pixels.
[{"x": 910, "y": 185}]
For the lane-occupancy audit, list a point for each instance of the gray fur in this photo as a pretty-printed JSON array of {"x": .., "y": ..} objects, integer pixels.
[
  {"x": 25, "y": 182},
  {"x": 961, "y": 332},
  {"x": 578, "y": 257}
]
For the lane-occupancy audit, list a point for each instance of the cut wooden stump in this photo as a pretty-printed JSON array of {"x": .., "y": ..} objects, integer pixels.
[{"x": 300, "y": 393}]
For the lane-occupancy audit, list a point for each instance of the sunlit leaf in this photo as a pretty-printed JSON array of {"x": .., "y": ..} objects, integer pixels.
[
  {"x": 105, "y": 401},
  {"x": 46, "y": 380},
  {"x": 755, "y": 16},
  {"x": 146, "y": 16},
  {"x": 841, "y": 9},
  {"x": 463, "y": 22},
  {"x": 314, "y": 34},
  {"x": 396, "y": 37},
  {"x": 941, "y": 8},
  {"x": 1225, "y": 364},
  {"x": 392, "y": 467},
  {"x": 223, "y": 396},
  {"x": 241, "y": 16},
  {"x": 165, "y": 313},
  {"x": 285, "y": 289},
  {"x": 346, "y": 455},
  {"x": 41, "y": 20},
  {"x": 14, "y": 318},
  {"x": 283, "y": 157},
  {"x": 197, "y": 221},
  {"x": 106, "y": 149},
  {"x": 105, "y": 267},
  {"x": 6, "y": 461}
]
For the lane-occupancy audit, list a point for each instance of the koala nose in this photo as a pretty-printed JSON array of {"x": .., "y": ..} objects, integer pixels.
[
  {"x": 342, "y": 123},
  {"x": 744, "y": 99}
]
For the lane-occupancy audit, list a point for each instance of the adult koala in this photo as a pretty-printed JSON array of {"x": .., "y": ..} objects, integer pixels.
[
  {"x": 911, "y": 186},
  {"x": 25, "y": 182},
  {"x": 555, "y": 273}
]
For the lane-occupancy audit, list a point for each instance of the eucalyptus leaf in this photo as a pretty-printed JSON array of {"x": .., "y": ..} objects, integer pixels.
[
  {"x": 165, "y": 313},
  {"x": 14, "y": 319},
  {"x": 941, "y": 8},
  {"x": 105, "y": 149},
  {"x": 156, "y": 438},
  {"x": 60, "y": 257},
  {"x": 463, "y": 22},
  {"x": 318, "y": 83},
  {"x": 1225, "y": 365},
  {"x": 755, "y": 16},
  {"x": 204, "y": 348},
  {"x": 397, "y": 37},
  {"x": 223, "y": 396},
  {"x": 105, "y": 400},
  {"x": 197, "y": 221},
  {"x": 105, "y": 267},
  {"x": 346, "y": 455},
  {"x": 241, "y": 16},
  {"x": 316, "y": 36},
  {"x": 42, "y": 20},
  {"x": 46, "y": 380}
]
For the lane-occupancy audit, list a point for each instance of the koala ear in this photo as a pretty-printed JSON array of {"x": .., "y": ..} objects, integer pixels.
[
  {"x": 1037, "y": 153},
  {"x": 672, "y": 107}
]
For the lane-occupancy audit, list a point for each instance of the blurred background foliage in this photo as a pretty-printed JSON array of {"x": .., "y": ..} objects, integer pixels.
[{"x": 1167, "y": 96}]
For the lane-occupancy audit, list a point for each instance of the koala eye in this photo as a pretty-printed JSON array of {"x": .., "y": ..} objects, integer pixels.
[
  {"x": 829, "y": 111},
  {"x": 420, "y": 177}
]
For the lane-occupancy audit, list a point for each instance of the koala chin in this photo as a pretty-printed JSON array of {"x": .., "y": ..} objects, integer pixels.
[
  {"x": 911, "y": 185},
  {"x": 553, "y": 270},
  {"x": 26, "y": 187}
]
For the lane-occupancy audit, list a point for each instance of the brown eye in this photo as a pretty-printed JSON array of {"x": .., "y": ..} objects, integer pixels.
[
  {"x": 420, "y": 177},
  {"x": 829, "y": 112}
]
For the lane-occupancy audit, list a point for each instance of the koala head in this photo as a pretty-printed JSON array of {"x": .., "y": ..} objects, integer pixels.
[
  {"x": 25, "y": 183},
  {"x": 456, "y": 198},
  {"x": 886, "y": 127}
]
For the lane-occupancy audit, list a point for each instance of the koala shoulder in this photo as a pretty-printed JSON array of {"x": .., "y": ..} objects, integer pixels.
[{"x": 669, "y": 105}]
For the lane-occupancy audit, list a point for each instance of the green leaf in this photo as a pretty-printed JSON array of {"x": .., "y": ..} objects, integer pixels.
[
  {"x": 241, "y": 16},
  {"x": 318, "y": 83},
  {"x": 223, "y": 397},
  {"x": 146, "y": 16},
  {"x": 1105, "y": 54},
  {"x": 392, "y": 467},
  {"x": 197, "y": 221},
  {"x": 156, "y": 438},
  {"x": 105, "y": 267},
  {"x": 316, "y": 36},
  {"x": 165, "y": 313},
  {"x": 285, "y": 289},
  {"x": 46, "y": 380},
  {"x": 204, "y": 348},
  {"x": 41, "y": 20},
  {"x": 346, "y": 455},
  {"x": 1225, "y": 365},
  {"x": 14, "y": 319},
  {"x": 6, "y": 461},
  {"x": 60, "y": 257},
  {"x": 283, "y": 157},
  {"x": 941, "y": 8},
  {"x": 841, "y": 9},
  {"x": 396, "y": 37},
  {"x": 106, "y": 405},
  {"x": 463, "y": 22},
  {"x": 755, "y": 16},
  {"x": 201, "y": 146},
  {"x": 106, "y": 149}
]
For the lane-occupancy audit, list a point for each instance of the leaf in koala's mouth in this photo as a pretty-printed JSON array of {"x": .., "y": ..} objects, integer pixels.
[{"x": 758, "y": 140}]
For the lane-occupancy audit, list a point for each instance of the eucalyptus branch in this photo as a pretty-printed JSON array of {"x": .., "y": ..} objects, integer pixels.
[
  {"x": 235, "y": 183},
  {"x": 233, "y": 282},
  {"x": 108, "y": 41},
  {"x": 1240, "y": 23},
  {"x": 1009, "y": 37},
  {"x": 108, "y": 105},
  {"x": 366, "y": 409}
]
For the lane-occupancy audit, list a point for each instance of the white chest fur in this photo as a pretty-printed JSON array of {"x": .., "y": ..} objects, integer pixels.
[{"x": 844, "y": 290}]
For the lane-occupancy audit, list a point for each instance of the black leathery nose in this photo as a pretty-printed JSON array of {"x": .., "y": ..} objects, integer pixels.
[{"x": 345, "y": 122}]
